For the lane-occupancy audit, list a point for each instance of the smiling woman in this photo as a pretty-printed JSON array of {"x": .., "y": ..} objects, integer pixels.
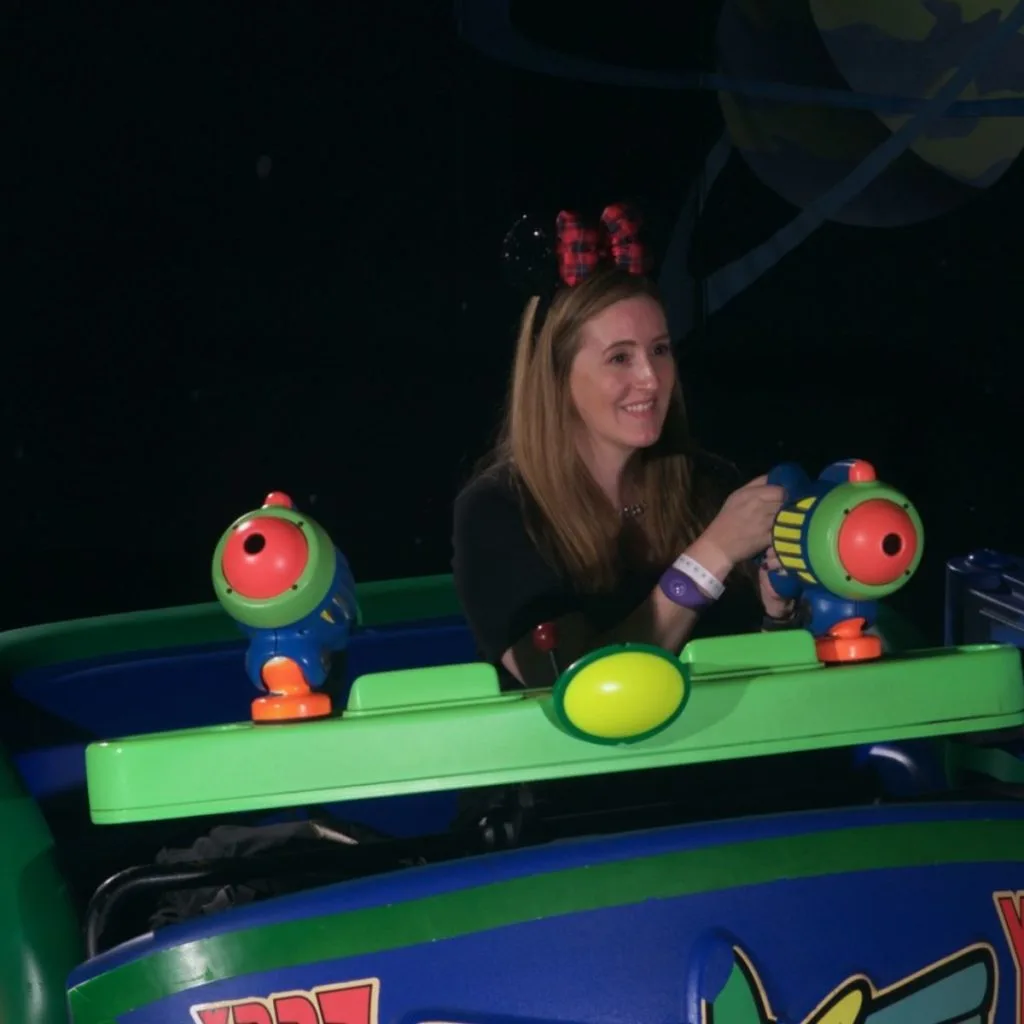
[
  {"x": 595, "y": 511},
  {"x": 622, "y": 379}
]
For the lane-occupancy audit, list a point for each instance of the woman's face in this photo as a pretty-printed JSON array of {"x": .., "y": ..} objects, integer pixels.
[{"x": 622, "y": 378}]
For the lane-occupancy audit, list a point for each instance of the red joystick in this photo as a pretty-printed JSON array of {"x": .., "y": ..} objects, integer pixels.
[
  {"x": 545, "y": 640},
  {"x": 264, "y": 557},
  {"x": 545, "y": 637}
]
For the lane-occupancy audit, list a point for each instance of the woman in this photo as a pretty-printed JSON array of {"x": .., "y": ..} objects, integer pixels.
[{"x": 593, "y": 512}]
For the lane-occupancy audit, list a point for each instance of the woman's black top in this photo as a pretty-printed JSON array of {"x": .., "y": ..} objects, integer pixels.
[{"x": 506, "y": 587}]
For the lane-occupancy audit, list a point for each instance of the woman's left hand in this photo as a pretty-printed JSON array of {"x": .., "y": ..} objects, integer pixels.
[{"x": 775, "y": 607}]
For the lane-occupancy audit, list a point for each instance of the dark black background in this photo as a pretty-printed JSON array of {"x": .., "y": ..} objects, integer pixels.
[{"x": 182, "y": 336}]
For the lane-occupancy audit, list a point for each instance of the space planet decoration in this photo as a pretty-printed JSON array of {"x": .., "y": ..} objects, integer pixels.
[
  {"x": 886, "y": 51},
  {"x": 879, "y": 115}
]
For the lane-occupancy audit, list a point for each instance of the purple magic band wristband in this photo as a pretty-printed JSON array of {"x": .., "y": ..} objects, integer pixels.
[{"x": 680, "y": 589}]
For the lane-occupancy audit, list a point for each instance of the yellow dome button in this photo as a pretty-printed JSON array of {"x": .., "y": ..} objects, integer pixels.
[{"x": 621, "y": 694}]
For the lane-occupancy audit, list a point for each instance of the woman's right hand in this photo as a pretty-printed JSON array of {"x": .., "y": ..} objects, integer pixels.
[{"x": 743, "y": 527}]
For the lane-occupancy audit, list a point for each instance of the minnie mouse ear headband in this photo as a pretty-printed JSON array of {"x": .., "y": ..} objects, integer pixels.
[{"x": 581, "y": 247}]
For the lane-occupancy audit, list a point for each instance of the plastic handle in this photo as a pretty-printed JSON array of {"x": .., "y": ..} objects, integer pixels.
[
  {"x": 788, "y": 476},
  {"x": 545, "y": 637}
]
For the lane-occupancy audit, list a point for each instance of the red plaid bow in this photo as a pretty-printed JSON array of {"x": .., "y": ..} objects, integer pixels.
[{"x": 581, "y": 248}]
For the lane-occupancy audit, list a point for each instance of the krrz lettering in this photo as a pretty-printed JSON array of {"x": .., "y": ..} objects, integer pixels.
[
  {"x": 1008, "y": 907},
  {"x": 352, "y": 1003}
]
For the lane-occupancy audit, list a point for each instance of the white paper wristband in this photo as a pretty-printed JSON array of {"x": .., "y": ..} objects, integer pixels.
[{"x": 711, "y": 585}]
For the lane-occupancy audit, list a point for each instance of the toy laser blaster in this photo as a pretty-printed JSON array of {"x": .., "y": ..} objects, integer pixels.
[
  {"x": 844, "y": 540},
  {"x": 277, "y": 573}
]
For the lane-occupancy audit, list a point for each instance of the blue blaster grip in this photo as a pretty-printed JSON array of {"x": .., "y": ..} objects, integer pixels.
[{"x": 793, "y": 480}]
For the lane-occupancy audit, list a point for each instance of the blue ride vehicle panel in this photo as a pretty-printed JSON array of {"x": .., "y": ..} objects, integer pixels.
[{"x": 823, "y": 918}]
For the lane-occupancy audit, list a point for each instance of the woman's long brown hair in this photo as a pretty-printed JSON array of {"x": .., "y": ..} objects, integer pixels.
[{"x": 574, "y": 523}]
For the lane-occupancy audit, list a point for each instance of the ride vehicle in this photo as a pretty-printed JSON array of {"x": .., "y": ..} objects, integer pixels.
[{"x": 754, "y": 831}]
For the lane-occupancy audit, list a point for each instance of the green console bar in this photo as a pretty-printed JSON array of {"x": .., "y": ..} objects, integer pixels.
[{"x": 431, "y": 729}]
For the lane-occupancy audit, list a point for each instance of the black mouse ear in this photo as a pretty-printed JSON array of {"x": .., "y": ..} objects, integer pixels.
[{"x": 528, "y": 255}]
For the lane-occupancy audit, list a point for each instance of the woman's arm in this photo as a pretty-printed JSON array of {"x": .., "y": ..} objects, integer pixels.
[
  {"x": 658, "y": 621},
  {"x": 740, "y": 530},
  {"x": 506, "y": 588}
]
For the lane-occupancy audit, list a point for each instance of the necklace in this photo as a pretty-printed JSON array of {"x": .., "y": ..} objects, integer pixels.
[{"x": 632, "y": 511}]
